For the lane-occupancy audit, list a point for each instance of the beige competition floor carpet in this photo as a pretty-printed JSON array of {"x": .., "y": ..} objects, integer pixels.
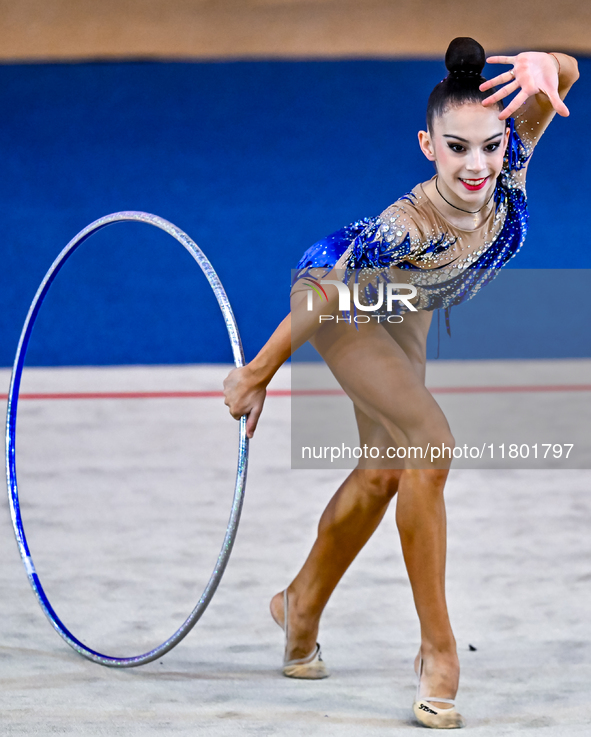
[{"x": 125, "y": 503}]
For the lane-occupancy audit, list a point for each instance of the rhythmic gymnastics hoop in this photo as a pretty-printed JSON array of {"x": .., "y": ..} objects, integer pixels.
[{"x": 239, "y": 487}]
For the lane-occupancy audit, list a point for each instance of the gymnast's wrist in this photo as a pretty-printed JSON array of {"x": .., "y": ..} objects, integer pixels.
[
  {"x": 556, "y": 61},
  {"x": 262, "y": 369}
]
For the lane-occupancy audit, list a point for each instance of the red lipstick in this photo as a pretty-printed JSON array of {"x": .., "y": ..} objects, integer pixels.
[{"x": 474, "y": 187}]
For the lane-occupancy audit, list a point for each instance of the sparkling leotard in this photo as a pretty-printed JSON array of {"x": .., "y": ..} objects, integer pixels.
[{"x": 450, "y": 264}]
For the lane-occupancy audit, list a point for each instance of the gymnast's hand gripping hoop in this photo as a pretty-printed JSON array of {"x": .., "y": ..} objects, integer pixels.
[{"x": 13, "y": 394}]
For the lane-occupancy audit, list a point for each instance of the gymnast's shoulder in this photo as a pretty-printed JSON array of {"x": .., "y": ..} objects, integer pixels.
[{"x": 409, "y": 215}]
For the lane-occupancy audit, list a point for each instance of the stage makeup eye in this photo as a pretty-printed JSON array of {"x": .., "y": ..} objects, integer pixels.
[
  {"x": 456, "y": 147},
  {"x": 492, "y": 146}
]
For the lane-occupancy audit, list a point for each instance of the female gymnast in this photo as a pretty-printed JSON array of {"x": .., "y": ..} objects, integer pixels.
[{"x": 473, "y": 213}]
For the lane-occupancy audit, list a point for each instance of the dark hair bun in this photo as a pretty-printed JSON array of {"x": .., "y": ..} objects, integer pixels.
[{"x": 464, "y": 57}]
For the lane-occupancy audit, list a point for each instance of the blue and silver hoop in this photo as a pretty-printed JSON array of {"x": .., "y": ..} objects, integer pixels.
[{"x": 224, "y": 304}]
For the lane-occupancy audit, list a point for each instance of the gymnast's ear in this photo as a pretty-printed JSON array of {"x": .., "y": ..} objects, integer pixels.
[{"x": 426, "y": 145}]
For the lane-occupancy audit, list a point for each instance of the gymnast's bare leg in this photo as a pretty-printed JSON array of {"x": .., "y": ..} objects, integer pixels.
[{"x": 397, "y": 358}]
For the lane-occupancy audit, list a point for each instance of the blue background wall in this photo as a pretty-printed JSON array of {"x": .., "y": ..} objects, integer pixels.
[{"x": 256, "y": 161}]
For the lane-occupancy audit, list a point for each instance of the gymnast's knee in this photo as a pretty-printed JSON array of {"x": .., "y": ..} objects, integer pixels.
[
  {"x": 437, "y": 435},
  {"x": 432, "y": 479},
  {"x": 379, "y": 483}
]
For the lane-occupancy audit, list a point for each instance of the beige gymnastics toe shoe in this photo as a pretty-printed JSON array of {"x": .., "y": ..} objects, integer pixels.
[
  {"x": 431, "y": 716},
  {"x": 311, "y": 667}
]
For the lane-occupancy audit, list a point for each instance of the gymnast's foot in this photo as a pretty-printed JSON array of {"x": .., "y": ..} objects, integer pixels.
[
  {"x": 302, "y": 631},
  {"x": 440, "y": 672}
]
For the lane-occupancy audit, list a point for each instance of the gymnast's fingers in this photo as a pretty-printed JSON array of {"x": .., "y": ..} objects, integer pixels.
[
  {"x": 501, "y": 59},
  {"x": 518, "y": 100},
  {"x": 499, "y": 79},
  {"x": 500, "y": 94},
  {"x": 253, "y": 419},
  {"x": 558, "y": 104},
  {"x": 237, "y": 406}
]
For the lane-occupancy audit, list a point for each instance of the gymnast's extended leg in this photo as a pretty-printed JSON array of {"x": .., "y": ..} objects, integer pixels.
[{"x": 356, "y": 509}]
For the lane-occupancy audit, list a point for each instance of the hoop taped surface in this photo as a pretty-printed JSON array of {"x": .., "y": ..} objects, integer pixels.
[{"x": 11, "y": 418}]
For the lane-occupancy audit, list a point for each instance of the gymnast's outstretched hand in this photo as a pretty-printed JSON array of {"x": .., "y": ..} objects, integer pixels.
[
  {"x": 533, "y": 72},
  {"x": 245, "y": 395}
]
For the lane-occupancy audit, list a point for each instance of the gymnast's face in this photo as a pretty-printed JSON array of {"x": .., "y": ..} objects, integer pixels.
[{"x": 467, "y": 145}]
